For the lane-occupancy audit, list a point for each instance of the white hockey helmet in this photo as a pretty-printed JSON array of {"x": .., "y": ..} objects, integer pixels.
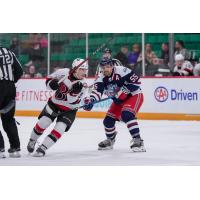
[
  {"x": 78, "y": 61},
  {"x": 179, "y": 57}
]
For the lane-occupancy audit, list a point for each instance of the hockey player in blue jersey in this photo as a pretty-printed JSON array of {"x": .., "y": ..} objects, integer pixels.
[{"x": 123, "y": 86}]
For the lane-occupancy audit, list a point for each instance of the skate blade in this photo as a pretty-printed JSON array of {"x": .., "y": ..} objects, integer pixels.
[
  {"x": 30, "y": 151},
  {"x": 37, "y": 154},
  {"x": 105, "y": 148},
  {"x": 2, "y": 156},
  {"x": 14, "y": 155},
  {"x": 136, "y": 149}
]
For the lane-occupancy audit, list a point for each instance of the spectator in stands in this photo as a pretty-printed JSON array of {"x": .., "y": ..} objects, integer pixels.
[
  {"x": 32, "y": 73},
  {"x": 149, "y": 54},
  {"x": 180, "y": 49},
  {"x": 165, "y": 53},
  {"x": 182, "y": 67},
  {"x": 122, "y": 56},
  {"x": 43, "y": 41},
  {"x": 134, "y": 56},
  {"x": 15, "y": 47},
  {"x": 34, "y": 51},
  {"x": 196, "y": 70}
]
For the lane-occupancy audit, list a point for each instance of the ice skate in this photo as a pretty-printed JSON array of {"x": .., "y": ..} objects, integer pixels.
[
  {"x": 137, "y": 145},
  {"x": 14, "y": 153},
  {"x": 2, "y": 153},
  {"x": 106, "y": 144},
  {"x": 40, "y": 152},
  {"x": 31, "y": 145}
]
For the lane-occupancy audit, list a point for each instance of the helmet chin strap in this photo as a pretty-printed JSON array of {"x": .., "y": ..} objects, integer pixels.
[{"x": 75, "y": 75}]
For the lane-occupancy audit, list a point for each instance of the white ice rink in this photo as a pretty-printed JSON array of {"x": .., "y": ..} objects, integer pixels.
[{"x": 167, "y": 143}]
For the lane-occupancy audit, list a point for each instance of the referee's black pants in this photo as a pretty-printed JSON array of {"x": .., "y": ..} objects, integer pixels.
[{"x": 8, "y": 93}]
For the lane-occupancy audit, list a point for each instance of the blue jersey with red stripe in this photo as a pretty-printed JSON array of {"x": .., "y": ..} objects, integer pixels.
[{"x": 122, "y": 80}]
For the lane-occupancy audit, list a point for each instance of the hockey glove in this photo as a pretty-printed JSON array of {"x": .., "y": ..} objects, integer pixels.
[
  {"x": 88, "y": 103},
  {"x": 53, "y": 84},
  {"x": 77, "y": 87},
  {"x": 176, "y": 74}
]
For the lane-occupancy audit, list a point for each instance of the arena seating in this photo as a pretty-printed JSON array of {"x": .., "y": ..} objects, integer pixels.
[{"x": 67, "y": 46}]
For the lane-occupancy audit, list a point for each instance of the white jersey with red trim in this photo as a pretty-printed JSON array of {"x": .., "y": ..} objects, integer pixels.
[
  {"x": 121, "y": 80},
  {"x": 186, "y": 69},
  {"x": 63, "y": 97}
]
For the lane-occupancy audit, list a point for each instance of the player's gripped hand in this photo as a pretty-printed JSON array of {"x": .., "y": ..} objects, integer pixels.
[
  {"x": 53, "y": 84},
  {"x": 176, "y": 74},
  {"x": 77, "y": 87},
  {"x": 88, "y": 101}
]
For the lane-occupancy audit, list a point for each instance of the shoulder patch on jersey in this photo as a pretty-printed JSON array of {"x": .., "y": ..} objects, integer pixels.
[{"x": 125, "y": 69}]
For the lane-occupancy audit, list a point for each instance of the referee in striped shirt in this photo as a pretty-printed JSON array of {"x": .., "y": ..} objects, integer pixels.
[{"x": 10, "y": 73}]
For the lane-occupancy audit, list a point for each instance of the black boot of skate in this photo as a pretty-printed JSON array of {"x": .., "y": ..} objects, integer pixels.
[
  {"x": 2, "y": 153},
  {"x": 107, "y": 144},
  {"x": 31, "y": 145},
  {"x": 14, "y": 152},
  {"x": 137, "y": 145},
  {"x": 40, "y": 152}
]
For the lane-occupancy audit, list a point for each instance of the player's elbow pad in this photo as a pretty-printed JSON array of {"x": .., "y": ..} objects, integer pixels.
[
  {"x": 53, "y": 84},
  {"x": 132, "y": 87}
]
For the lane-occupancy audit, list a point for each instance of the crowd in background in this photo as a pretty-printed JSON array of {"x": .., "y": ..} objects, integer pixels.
[
  {"x": 156, "y": 65},
  {"x": 35, "y": 46},
  {"x": 184, "y": 62}
]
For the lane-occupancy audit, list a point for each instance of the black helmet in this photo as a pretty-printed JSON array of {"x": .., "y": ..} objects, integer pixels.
[
  {"x": 107, "y": 50},
  {"x": 106, "y": 61}
]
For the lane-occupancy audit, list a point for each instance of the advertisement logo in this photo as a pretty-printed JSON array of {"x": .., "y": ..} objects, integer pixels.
[{"x": 161, "y": 94}]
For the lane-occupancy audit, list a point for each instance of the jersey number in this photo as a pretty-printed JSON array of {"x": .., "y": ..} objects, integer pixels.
[{"x": 134, "y": 78}]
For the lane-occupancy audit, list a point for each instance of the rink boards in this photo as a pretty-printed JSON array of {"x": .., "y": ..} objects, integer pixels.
[{"x": 164, "y": 98}]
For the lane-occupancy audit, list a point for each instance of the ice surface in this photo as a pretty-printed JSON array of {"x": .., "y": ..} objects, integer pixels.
[{"x": 167, "y": 143}]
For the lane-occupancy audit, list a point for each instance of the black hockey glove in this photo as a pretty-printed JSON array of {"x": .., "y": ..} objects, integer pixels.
[
  {"x": 54, "y": 84},
  {"x": 77, "y": 87},
  {"x": 176, "y": 74}
]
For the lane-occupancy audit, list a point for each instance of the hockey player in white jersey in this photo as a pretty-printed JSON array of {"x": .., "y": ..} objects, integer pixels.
[
  {"x": 69, "y": 89},
  {"x": 123, "y": 86},
  {"x": 183, "y": 67}
]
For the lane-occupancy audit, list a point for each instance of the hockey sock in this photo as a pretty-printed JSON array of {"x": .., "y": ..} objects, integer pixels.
[
  {"x": 109, "y": 125},
  {"x": 55, "y": 134},
  {"x": 39, "y": 128},
  {"x": 131, "y": 122}
]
